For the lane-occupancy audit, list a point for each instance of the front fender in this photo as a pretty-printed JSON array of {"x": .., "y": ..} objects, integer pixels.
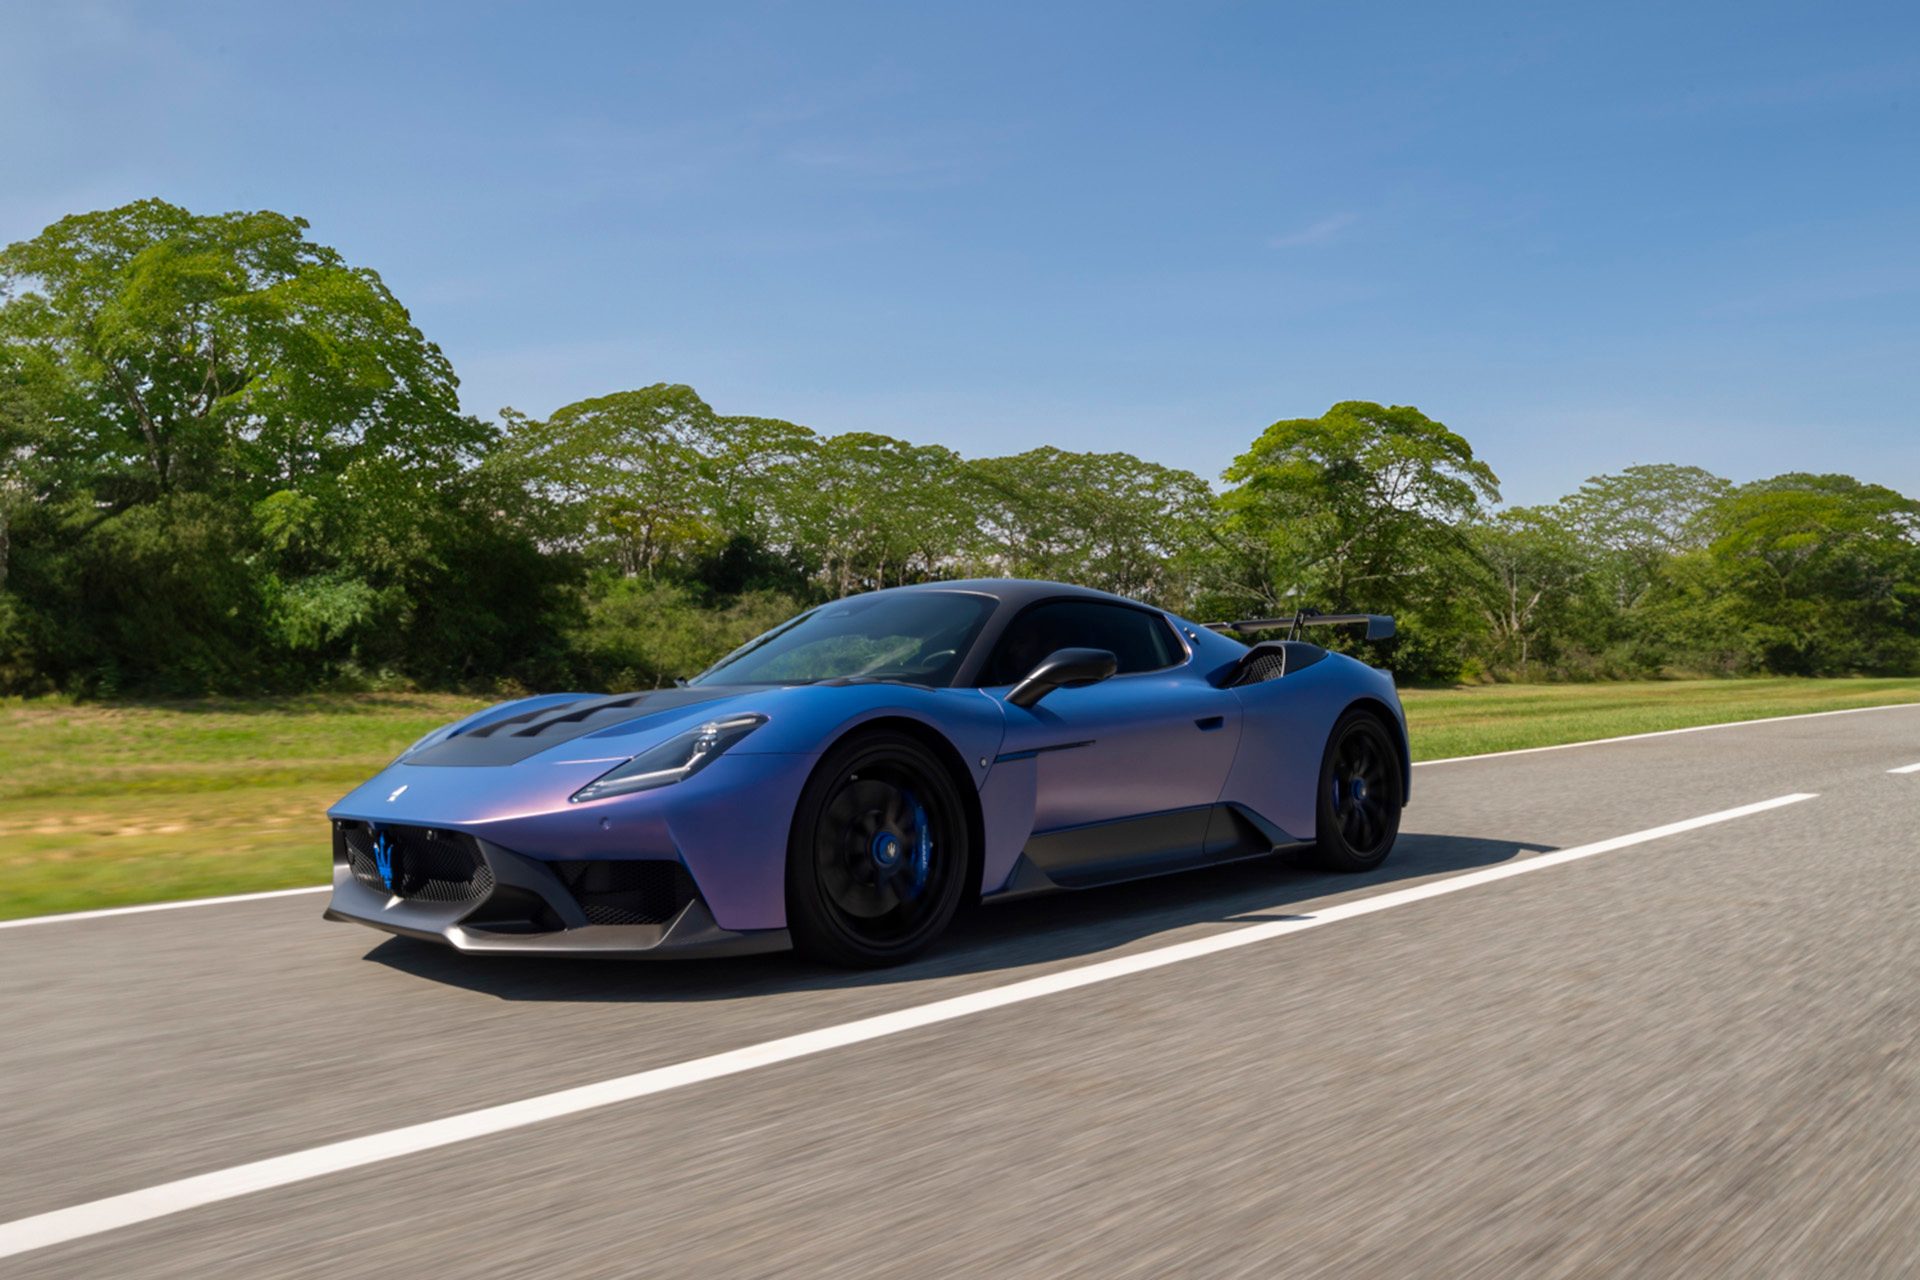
[{"x": 807, "y": 719}]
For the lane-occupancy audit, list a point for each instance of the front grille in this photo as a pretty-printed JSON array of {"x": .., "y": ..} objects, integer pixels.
[
  {"x": 627, "y": 891},
  {"x": 425, "y": 864}
]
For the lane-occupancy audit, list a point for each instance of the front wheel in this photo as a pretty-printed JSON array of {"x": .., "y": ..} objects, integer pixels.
[
  {"x": 1360, "y": 795},
  {"x": 877, "y": 860}
]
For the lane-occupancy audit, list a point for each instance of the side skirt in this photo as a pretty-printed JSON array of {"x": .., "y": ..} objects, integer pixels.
[{"x": 1154, "y": 844}]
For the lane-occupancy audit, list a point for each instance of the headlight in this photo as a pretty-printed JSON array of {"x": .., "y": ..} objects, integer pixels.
[{"x": 672, "y": 761}]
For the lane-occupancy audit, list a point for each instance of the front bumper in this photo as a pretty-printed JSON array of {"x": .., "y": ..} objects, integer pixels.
[{"x": 476, "y": 896}]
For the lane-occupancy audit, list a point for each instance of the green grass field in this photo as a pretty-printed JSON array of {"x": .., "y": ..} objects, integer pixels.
[
  {"x": 109, "y": 804},
  {"x": 103, "y": 805},
  {"x": 1462, "y": 722}
]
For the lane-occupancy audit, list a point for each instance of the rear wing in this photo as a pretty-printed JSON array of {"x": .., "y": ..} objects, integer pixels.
[{"x": 1379, "y": 626}]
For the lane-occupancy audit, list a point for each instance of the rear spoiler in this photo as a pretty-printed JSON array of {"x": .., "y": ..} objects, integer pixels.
[{"x": 1379, "y": 626}]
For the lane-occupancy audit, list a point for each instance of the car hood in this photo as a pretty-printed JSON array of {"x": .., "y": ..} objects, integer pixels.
[
  {"x": 490, "y": 741},
  {"x": 529, "y": 756}
]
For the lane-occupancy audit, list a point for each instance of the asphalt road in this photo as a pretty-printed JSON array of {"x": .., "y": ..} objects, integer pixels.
[{"x": 1699, "y": 1054}]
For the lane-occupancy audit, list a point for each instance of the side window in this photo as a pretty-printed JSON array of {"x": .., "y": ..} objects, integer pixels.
[{"x": 1140, "y": 640}]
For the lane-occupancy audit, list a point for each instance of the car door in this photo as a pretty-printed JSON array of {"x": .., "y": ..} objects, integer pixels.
[{"x": 1126, "y": 769}]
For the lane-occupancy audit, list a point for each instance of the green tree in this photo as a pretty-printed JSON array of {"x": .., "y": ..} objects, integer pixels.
[
  {"x": 207, "y": 352},
  {"x": 1533, "y": 567},
  {"x": 1638, "y": 519},
  {"x": 642, "y": 480},
  {"x": 23, "y": 435},
  {"x": 870, "y": 511},
  {"x": 623, "y": 474},
  {"x": 755, "y": 470},
  {"x": 1361, "y": 509},
  {"x": 1808, "y": 575},
  {"x": 1106, "y": 520},
  {"x": 224, "y": 386},
  {"x": 1650, "y": 510}
]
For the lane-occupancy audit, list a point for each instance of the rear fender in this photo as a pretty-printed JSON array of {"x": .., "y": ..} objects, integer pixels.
[{"x": 1283, "y": 737}]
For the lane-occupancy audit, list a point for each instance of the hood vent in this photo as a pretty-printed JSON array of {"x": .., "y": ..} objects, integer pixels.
[{"x": 513, "y": 738}]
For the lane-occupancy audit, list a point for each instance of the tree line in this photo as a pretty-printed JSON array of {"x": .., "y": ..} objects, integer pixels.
[{"x": 229, "y": 461}]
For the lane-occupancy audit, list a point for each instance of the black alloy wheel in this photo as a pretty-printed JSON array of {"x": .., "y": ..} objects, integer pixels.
[
  {"x": 878, "y": 856},
  {"x": 1360, "y": 795}
]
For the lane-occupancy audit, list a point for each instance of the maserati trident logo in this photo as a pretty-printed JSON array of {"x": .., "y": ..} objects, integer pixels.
[{"x": 383, "y": 857}]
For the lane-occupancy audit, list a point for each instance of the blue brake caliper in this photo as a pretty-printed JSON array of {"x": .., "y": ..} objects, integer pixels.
[{"x": 922, "y": 847}]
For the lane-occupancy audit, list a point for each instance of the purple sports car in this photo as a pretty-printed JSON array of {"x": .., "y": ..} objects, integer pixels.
[{"x": 842, "y": 782}]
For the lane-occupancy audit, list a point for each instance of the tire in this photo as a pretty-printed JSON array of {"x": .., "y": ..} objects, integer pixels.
[
  {"x": 877, "y": 862},
  {"x": 1360, "y": 796}
]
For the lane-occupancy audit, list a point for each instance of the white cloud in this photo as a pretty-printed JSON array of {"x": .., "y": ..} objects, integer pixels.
[{"x": 1314, "y": 233}]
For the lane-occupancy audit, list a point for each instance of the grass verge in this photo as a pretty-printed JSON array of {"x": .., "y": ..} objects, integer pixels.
[
  {"x": 104, "y": 805},
  {"x": 1464, "y": 722}
]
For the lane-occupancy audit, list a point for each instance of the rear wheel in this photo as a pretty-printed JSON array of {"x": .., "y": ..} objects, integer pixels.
[
  {"x": 878, "y": 855},
  {"x": 1360, "y": 795}
]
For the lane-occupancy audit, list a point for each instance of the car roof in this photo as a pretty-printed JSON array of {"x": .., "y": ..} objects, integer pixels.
[{"x": 1021, "y": 591}]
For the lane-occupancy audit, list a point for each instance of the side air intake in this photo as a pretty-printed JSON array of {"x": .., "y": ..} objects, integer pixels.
[
  {"x": 627, "y": 890},
  {"x": 1271, "y": 660}
]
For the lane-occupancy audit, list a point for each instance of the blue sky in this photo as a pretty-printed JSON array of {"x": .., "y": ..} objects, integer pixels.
[{"x": 1583, "y": 236}]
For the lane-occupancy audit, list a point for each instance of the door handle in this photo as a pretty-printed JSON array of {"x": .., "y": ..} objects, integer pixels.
[{"x": 1206, "y": 723}]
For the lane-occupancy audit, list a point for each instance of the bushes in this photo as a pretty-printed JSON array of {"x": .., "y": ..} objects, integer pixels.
[
  {"x": 639, "y": 634},
  {"x": 158, "y": 597}
]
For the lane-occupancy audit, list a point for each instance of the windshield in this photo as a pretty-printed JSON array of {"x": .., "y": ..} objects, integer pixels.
[{"x": 916, "y": 636}]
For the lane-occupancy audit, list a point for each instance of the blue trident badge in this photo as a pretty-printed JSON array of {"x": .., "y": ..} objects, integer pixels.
[{"x": 383, "y": 857}]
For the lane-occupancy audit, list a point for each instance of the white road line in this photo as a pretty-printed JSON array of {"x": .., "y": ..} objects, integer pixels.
[
  {"x": 1665, "y": 733},
  {"x": 62, "y": 1225},
  {"x": 1906, "y": 768},
  {"x": 145, "y": 907}
]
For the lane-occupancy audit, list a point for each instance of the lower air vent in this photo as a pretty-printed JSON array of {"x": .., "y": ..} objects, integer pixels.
[
  {"x": 628, "y": 891},
  {"x": 421, "y": 864}
]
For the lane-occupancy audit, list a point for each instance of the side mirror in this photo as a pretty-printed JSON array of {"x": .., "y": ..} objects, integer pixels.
[{"x": 1063, "y": 669}]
